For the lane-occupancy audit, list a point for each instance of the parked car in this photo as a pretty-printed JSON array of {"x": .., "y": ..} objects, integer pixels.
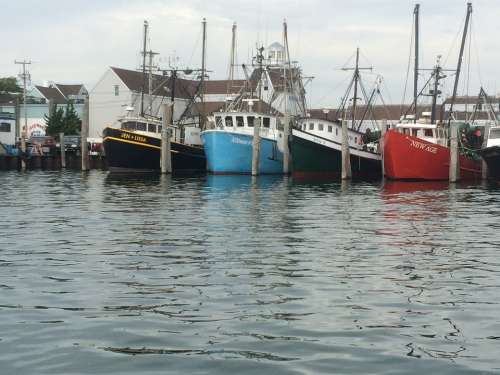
[{"x": 71, "y": 143}]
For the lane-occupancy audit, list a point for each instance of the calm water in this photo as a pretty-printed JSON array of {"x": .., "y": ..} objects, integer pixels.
[{"x": 224, "y": 275}]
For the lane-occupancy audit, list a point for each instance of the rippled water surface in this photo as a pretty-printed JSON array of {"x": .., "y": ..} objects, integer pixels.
[{"x": 224, "y": 275}]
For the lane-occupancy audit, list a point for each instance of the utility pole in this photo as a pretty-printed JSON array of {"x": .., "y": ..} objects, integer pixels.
[{"x": 24, "y": 132}]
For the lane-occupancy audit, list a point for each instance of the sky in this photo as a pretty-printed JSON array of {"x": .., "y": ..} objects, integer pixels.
[{"x": 76, "y": 42}]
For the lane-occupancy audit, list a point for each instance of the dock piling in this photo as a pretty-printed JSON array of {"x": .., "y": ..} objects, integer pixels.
[
  {"x": 381, "y": 144},
  {"x": 454, "y": 174},
  {"x": 84, "y": 135},
  {"x": 63, "y": 150},
  {"x": 346, "y": 159},
  {"x": 256, "y": 146},
  {"x": 165, "y": 154},
  {"x": 286, "y": 149},
  {"x": 484, "y": 166}
]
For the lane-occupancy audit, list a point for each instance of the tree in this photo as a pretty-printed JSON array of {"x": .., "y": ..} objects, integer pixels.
[
  {"x": 63, "y": 121},
  {"x": 9, "y": 85}
]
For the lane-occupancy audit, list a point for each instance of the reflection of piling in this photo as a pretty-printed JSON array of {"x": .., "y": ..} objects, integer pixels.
[
  {"x": 84, "y": 149},
  {"x": 256, "y": 146},
  {"x": 454, "y": 174},
  {"x": 166, "y": 155},
  {"x": 381, "y": 144},
  {"x": 286, "y": 150},
  {"x": 63, "y": 150},
  {"x": 346, "y": 161}
]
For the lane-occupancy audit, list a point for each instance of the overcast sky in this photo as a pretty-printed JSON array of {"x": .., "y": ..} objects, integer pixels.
[{"x": 75, "y": 41}]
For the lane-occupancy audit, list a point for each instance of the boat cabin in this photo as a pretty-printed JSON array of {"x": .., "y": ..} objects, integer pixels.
[
  {"x": 494, "y": 137},
  {"x": 244, "y": 122},
  {"x": 423, "y": 129},
  {"x": 330, "y": 130}
]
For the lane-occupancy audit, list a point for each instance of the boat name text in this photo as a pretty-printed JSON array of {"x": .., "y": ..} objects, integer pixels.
[
  {"x": 423, "y": 146},
  {"x": 133, "y": 137},
  {"x": 240, "y": 141}
]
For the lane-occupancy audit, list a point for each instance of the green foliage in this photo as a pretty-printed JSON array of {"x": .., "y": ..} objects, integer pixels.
[
  {"x": 9, "y": 85},
  {"x": 62, "y": 121}
]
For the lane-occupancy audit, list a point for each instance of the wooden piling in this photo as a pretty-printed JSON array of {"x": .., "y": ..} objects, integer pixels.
[
  {"x": 84, "y": 149},
  {"x": 165, "y": 154},
  {"x": 63, "y": 150},
  {"x": 381, "y": 144},
  {"x": 346, "y": 158},
  {"x": 454, "y": 174},
  {"x": 484, "y": 166},
  {"x": 256, "y": 146},
  {"x": 286, "y": 150}
]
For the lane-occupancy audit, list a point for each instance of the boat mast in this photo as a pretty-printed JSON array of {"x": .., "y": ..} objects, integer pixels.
[
  {"x": 415, "y": 77},
  {"x": 144, "y": 66},
  {"x": 460, "y": 56},
  {"x": 435, "y": 92},
  {"x": 232, "y": 61},
  {"x": 202, "y": 81},
  {"x": 356, "y": 78}
]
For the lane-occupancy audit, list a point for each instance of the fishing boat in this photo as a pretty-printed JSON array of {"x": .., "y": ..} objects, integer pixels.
[
  {"x": 316, "y": 143},
  {"x": 228, "y": 145},
  {"x": 491, "y": 153},
  {"x": 418, "y": 148},
  {"x": 316, "y": 148},
  {"x": 134, "y": 146},
  {"x": 233, "y": 137}
]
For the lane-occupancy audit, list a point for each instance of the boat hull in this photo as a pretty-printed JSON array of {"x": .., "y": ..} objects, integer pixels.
[
  {"x": 231, "y": 153},
  {"x": 411, "y": 158},
  {"x": 491, "y": 155},
  {"x": 129, "y": 152},
  {"x": 313, "y": 156}
]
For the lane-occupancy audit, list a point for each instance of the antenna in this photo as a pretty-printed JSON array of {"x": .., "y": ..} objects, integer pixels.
[{"x": 25, "y": 76}]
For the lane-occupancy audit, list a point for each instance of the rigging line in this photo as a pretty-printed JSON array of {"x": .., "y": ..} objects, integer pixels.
[
  {"x": 477, "y": 60},
  {"x": 459, "y": 32},
  {"x": 348, "y": 61},
  {"x": 412, "y": 37},
  {"x": 195, "y": 48},
  {"x": 344, "y": 80}
]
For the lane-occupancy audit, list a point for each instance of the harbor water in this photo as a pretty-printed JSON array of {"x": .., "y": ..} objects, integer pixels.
[{"x": 234, "y": 274}]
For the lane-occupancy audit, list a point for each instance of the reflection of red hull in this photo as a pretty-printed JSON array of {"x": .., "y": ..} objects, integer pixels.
[{"x": 411, "y": 158}]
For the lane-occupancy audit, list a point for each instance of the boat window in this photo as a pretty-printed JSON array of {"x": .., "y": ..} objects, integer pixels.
[
  {"x": 406, "y": 131},
  {"x": 4, "y": 127},
  {"x": 311, "y": 126},
  {"x": 428, "y": 132},
  {"x": 152, "y": 128},
  {"x": 129, "y": 125},
  {"x": 218, "y": 121},
  {"x": 320, "y": 127},
  {"x": 356, "y": 140},
  {"x": 336, "y": 131},
  {"x": 239, "y": 121},
  {"x": 414, "y": 132},
  {"x": 141, "y": 126},
  {"x": 330, "y": 128},
  {"x": 304, "y": 126},
  {"x": 229, "y": 121},
  {"x": 494, "y": 133},
  {"x": 266, "y": 122},
  {"x": 250, "y": 121},
  {"x": 159, "y": 128}
]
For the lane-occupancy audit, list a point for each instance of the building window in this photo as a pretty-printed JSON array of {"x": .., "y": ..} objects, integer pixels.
[
  {"x": 320, "y": 127},
  {"x": 239, "y": 121},
  {"x": 4, "y": 127},
  {"x": 330, "y": 128},
  {"x": 117, "y": 90},
  {"x": 266, "y": 122},
  {"x": 250, "y": 121},
  {"x": 311, "y": 126},
  {"x": 229, "y": 121}
]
